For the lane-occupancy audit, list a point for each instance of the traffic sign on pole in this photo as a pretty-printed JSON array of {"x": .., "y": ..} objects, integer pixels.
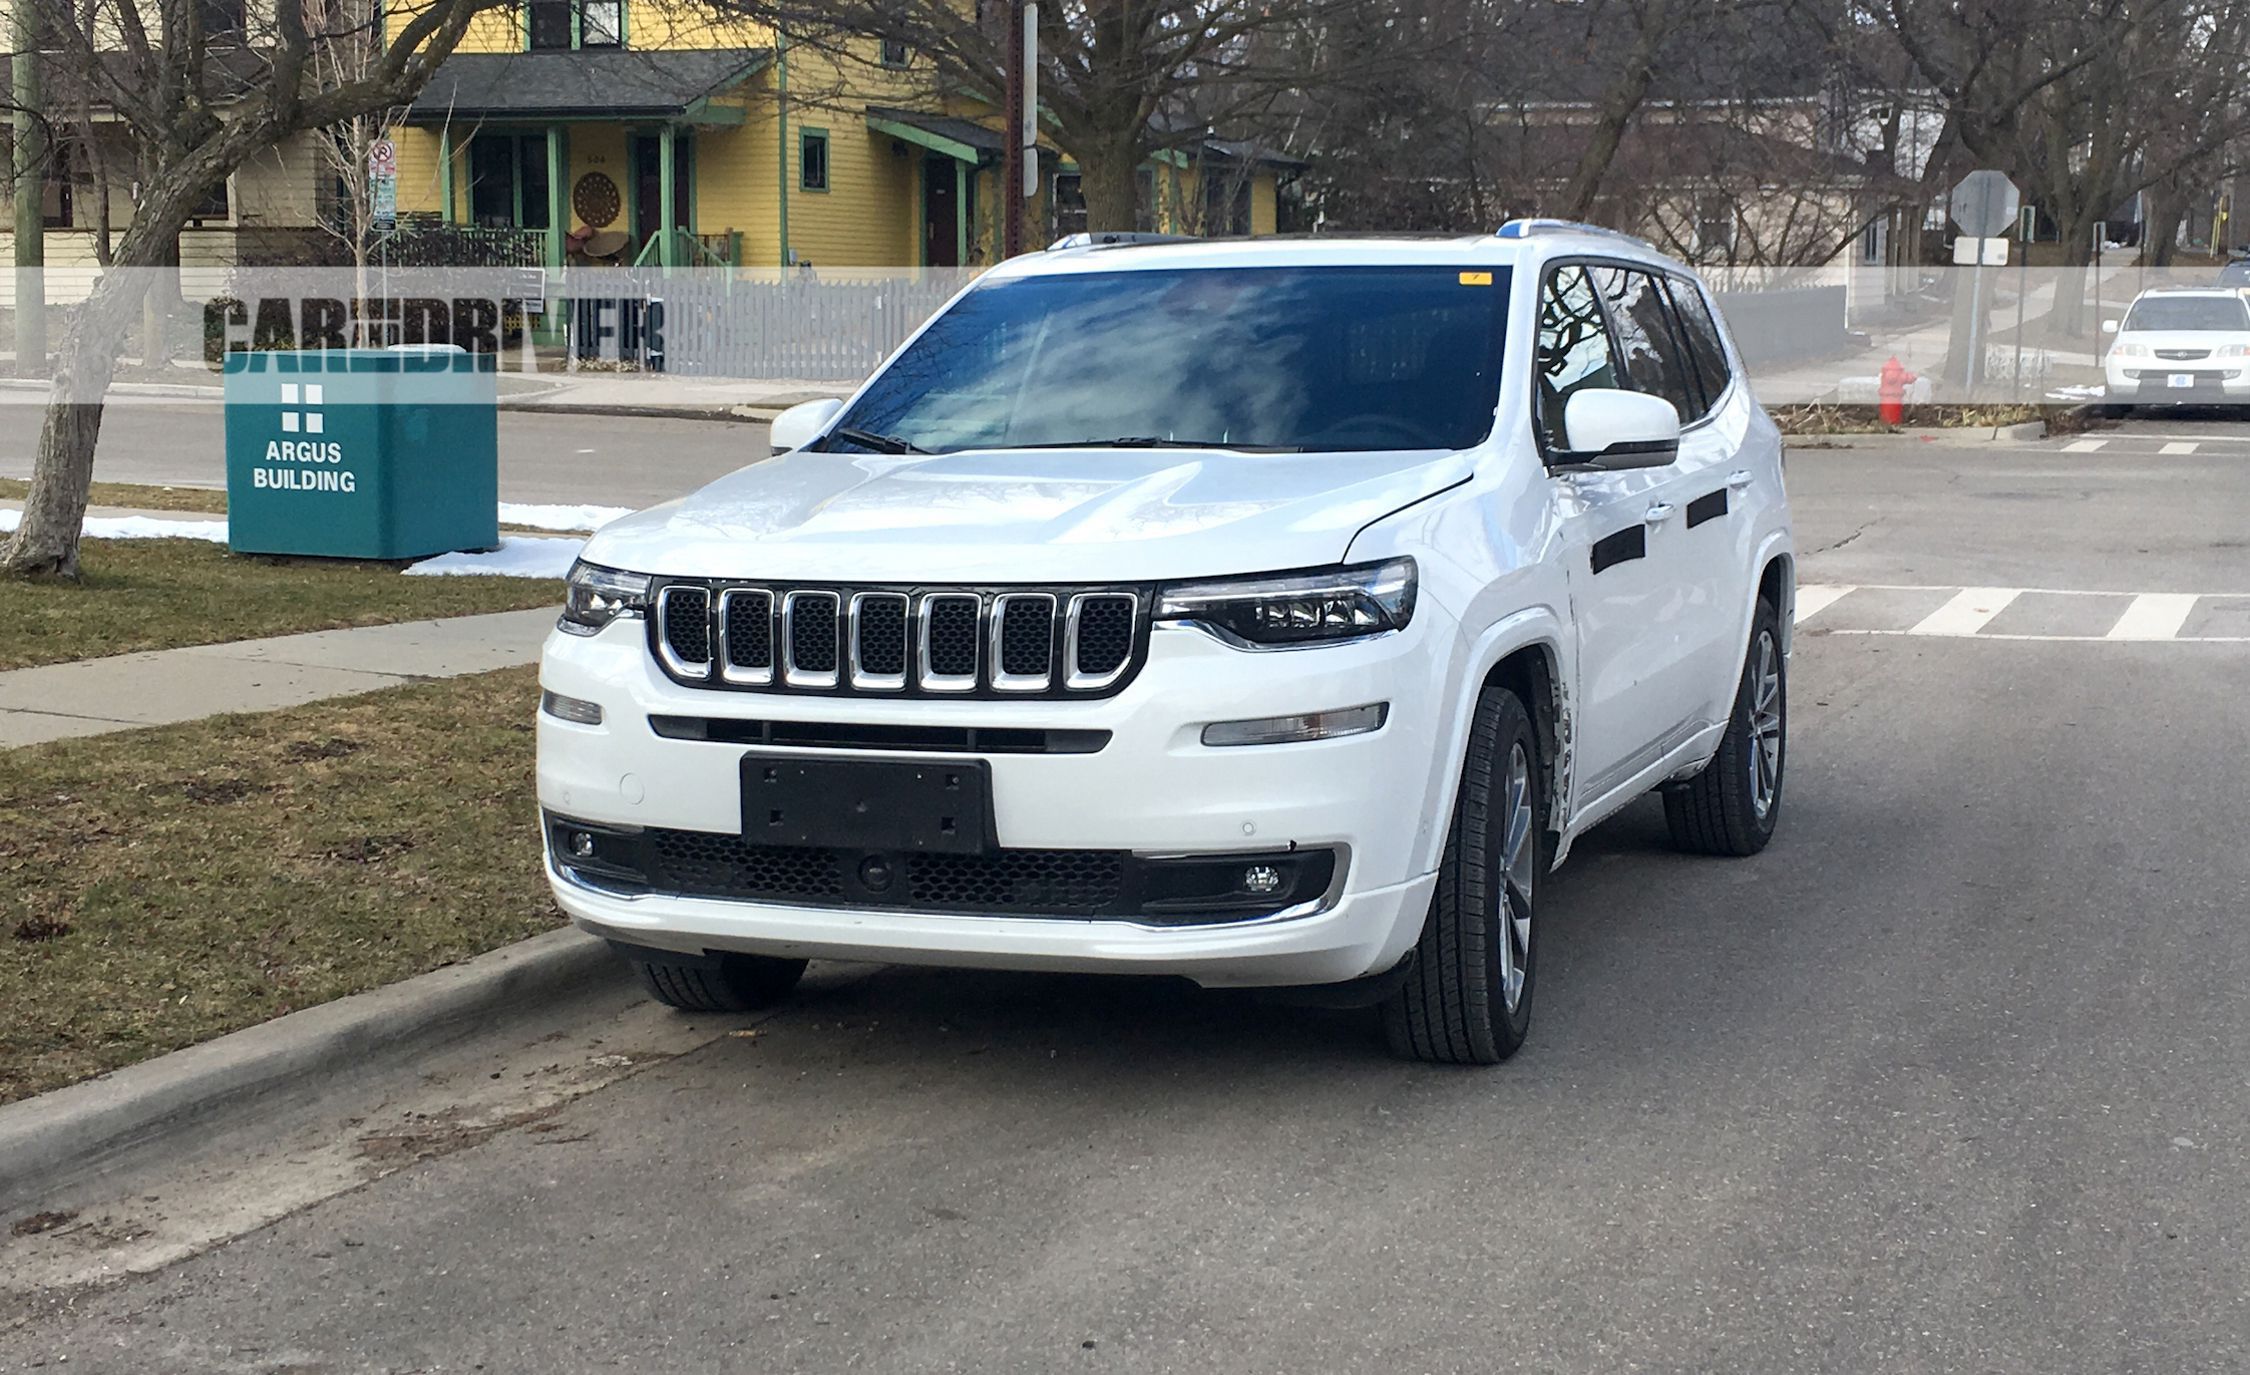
[{"x": 1984, "y": 205}]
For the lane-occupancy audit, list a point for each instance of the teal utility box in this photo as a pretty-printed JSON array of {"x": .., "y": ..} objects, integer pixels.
[{"x": 362, "y": 453}]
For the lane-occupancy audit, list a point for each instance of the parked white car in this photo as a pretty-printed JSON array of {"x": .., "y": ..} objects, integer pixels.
[
  {"x": 2181, "y": 347},
  {"x": 1275, "y": 614}
]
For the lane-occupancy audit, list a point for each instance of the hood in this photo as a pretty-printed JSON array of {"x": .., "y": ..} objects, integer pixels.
[
  {"x": 1069, "y": 516},
  {"x": 2208, "y": 340}
]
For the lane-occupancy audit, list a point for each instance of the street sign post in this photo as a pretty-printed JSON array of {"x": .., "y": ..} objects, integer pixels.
[
  {"x": 382, "y": 183},
  {"x": 1984, "y": 205}
]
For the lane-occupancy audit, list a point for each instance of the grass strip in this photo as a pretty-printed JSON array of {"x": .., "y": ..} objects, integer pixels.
[
  {"x": 166, "y": 593},
  {"x": 160, "y": 887}
]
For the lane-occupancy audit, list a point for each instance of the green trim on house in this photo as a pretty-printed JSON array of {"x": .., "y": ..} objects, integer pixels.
[
  {"x": 807, "y": 136},
  {"x": 923, "y": 138}
]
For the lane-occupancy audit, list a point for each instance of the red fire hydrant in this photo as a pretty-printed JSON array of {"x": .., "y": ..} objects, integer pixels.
[{"x": 1891, "y": 391}]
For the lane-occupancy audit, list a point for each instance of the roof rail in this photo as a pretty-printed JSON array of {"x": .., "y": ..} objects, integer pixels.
[
  {"x": 1115, "y": 239},
  {"x": 1524, "y": 229}
]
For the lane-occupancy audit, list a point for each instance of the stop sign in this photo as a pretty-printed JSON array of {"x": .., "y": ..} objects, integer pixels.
[{"x": 1985, "y": 204}]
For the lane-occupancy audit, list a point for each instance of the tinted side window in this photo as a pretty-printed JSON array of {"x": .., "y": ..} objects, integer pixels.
[
  {"x": 1701, "y": 330},
  {"x": 1574, "y": 349},
  {"x": 1654, "y": 360}
]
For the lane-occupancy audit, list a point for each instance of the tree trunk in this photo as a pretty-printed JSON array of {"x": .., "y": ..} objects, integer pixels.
[
  {"x": 1111, "y": 181},
  {"x": 159, "y": 304},
  {"x": 46, "y": 544}
]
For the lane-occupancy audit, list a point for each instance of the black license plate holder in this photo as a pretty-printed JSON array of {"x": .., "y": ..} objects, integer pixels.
[{"x": 902, "y": 807}]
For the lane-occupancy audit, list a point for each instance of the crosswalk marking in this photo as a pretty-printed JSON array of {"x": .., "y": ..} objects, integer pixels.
[
  {"x": 1968, "y": 611},
  {"x": 2086, "y": 446},
  {"x": 2181, "y": 449},
  {"x": 1971, "y": 609},
  {"x": 2153, "y": 616},
  {"x": 1811, "y": 601}
]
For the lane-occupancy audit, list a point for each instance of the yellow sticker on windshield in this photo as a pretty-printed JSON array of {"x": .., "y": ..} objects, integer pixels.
[{"x": 1476, "y": 279}]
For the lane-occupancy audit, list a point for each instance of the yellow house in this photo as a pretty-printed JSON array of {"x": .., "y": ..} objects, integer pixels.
[{"x": 649, "y": 132}]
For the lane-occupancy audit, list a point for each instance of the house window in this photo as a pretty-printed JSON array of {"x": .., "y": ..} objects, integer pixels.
[
  {"x": 1714, "y": 227},
  {"x": 896, "y": 53},
  {"x": 1070, "y": 204},
  {"x": 215, "y": 205},
  {"x": 508, "y": 181},
  {"x": 812, "y": 160},
  {"x": 223, "y": 18},
  {"x": 569, "y": 24},
  {"x": 1226, "y": 200}
]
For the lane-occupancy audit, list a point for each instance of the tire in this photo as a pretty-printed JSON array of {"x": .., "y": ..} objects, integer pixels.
[
  {"x": 718, "y": 983},
  {"x": 1732, "y": 807},
  {"x": 1467, "y": 1000}
]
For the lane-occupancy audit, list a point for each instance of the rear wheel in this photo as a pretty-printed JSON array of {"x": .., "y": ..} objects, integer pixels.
[
  {"x": 1731, "y": 807},
  {"x": 716, "y": 983},
  {"x": 1468, "y": 999}
]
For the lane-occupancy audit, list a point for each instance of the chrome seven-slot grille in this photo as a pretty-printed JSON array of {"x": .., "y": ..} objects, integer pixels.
[{"x": 901, "y": 642}]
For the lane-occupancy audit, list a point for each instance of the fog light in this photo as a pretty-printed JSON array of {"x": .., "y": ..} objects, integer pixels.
[
  {"x": 1261, "y": 879},
  {"x": 576, "y": 710},
  {"x": 582, "y": 844},
  {"x": 1290, "y": 730}
]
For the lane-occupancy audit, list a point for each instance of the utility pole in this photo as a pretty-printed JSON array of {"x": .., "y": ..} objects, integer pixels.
[
  {"x": 29, "y": 188},
  {"x": 1010, "y": 208}
]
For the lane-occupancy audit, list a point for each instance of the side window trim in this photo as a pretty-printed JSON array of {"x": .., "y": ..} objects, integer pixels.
[
  {"x": 1675, "y": 284},
  {"x": 1555, "y": 268}
]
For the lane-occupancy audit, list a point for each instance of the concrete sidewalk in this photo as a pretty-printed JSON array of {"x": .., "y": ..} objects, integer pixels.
[{"x": 97, "y": 696}]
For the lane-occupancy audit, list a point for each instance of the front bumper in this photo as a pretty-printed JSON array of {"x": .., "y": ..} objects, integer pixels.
[
  {"x": 2149, "y": 383},
  {"x": 1153, "y": 790}
]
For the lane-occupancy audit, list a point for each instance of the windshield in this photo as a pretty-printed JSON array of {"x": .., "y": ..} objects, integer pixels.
[
  {"x": 1284, "y": 359},
  {"x": 2189, "y": 313}
]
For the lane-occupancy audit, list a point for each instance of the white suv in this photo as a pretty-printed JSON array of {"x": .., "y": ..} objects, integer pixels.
[
  {"x": 2181, "y": 347},
  {"x": 1274, "y": 614}
]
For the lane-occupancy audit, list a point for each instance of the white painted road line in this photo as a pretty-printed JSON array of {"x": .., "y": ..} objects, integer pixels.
[
  {"x": 2181, "y": 449},
  {"x": 1811, "y": 601},
  {"x": 1971, "y": 609},
  {"x": 2154, "y": 616},
  {"x": 2087, "y": 446}
]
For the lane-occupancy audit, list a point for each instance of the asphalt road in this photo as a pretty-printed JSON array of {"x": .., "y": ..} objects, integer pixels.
[
  {"x": 1951, "y": 1079},
  {"x": 562, "y": 459}
]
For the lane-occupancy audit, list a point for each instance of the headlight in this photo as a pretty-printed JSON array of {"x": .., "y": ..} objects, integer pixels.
[
  {"x": 1289, "y": 609},
  {"x": 2234, "y": 351},
  {"x": 2132, "y": 351},
  {"x": 593, "y": 596}
]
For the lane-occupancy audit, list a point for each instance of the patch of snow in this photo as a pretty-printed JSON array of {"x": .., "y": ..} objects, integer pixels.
[
  {"x": 519, "y": 556},
  {"x": 560, "y": 517},
  {"x": 135, "y": 527},
  {"x": 2078, "y": 393}
]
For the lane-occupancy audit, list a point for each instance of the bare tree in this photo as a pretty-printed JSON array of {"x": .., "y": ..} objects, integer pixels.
[
  {"x": 197, "y": 105},
  {"x": 1121, "y": 81}
]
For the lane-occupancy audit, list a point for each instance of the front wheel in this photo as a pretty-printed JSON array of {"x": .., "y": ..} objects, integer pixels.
[
  {"x": 1731, "y": 807},
  {"x": 1468, "y": 999},
  {"x": 716, "y": 983}
]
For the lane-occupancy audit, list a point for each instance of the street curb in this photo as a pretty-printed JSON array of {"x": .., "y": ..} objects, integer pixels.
[
  {"x": 125, "y": 388},
  {"x": 58, "y": 1137},
  {"x": 1957, "y": 437}
]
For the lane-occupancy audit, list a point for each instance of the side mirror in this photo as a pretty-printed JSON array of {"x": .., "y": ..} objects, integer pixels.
[
  {"x": 2109, "y": 326},
  {"x": 1615, "y": 430},
  {"x": 801, "y": 425}
]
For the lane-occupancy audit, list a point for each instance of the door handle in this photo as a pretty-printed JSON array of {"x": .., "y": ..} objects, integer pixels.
[
  {"x": 1661, "y": 512},
  {"x": 1740, "y": 479}
]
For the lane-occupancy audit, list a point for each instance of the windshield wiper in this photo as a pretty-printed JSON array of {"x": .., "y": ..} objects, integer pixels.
[
  {"x": 880, "y": 443},
  {"x": 1151, "y": 442}
]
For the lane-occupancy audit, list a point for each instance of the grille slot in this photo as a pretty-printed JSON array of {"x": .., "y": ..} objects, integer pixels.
[
  {"x": 746, "y": 623},
  {"x": 1006, "y": 642},
  {"x": 1101, "y": 639},
  {"x": 725, "y": 866},
  {"x": 949, "y": 642},
  {"x": 685, "y": 615},
  {"x": 1023, "y": 642},
  {"x": 1063, "y": 882},
  {"x": 809, "y": 622},
  {"x": 878, "y": 641}
]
